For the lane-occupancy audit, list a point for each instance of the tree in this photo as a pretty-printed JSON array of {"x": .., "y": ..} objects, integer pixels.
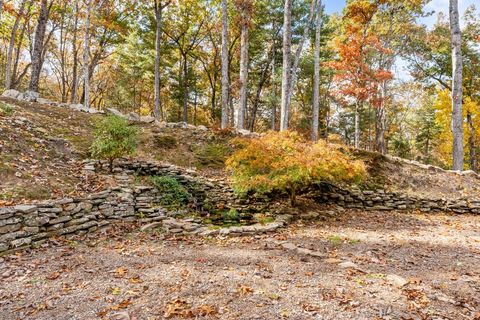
[
  {"x": 358, "y": 76},
  {"x": 286, "y": 162},
  {"x": 245, "y": 8},
  {"x": 113, "y": 138},
  {"x": 8, "y": 68},
  {"x": 225, "y": 65},
  {"x": 157, "y": 111},
  {"x": 457, "y": 90},
  {"x": 38, "y": 47},
  {"x": 286, "y": 72},
  {"x": 316, "y": 75}
]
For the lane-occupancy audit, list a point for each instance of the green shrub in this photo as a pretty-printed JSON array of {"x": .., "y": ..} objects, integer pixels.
[
  {"x": 113, "y": 138},
  {"x": 165, "y": 142},
  {"x": 6, "y": 109},
  {"x": 231, "y": 216},
  {"x": 174, "y": 194},
  {"x": 287, "y": 162}
]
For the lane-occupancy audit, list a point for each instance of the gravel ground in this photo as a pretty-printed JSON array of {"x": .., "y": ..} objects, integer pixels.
[{"x": 375, "y": 265}]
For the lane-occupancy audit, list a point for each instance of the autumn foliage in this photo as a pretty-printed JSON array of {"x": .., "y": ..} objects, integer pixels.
[{"x": 287, "y": 162}]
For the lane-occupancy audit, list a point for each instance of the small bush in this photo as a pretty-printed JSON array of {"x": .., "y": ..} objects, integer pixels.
[
  {"x": 113, "y": 138},
  {"x": 287, "y": 162},
  {"x": 6, "y": 109},
  {"x": 165, "y": 142},
  {"x": 174, "y": 194},
  {"x": 231, "y": 216}
]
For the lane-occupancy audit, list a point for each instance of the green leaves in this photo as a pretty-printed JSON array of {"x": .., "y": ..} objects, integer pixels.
[{"x": 113, "y": 138}]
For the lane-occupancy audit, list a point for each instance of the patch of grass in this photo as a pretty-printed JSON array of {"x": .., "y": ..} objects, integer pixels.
[
  {"x": 212, "y": 155},
  {"x": 335, "y": 240},
  {"x": 353, "y": 241},
  {"x": 6, "y": 109},
  {"x": 165, "y": 142},
  {"x": 264, "y": 219}
]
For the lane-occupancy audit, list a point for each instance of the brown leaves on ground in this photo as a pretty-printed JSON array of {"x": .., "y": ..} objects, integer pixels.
[{"x": 181, "y": 308}]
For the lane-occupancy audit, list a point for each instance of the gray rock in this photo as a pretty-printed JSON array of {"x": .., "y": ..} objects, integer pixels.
[
  {"x": 152, "y": 225},
  {"x": 25, "y": 208},
  {"x": 10, "y": 228},
  {"x": 147, "y": 119},
  {"x": 29, "y": 96},
  {"x": 115, "y": 112},
  {"x": 11, "y": 93}
]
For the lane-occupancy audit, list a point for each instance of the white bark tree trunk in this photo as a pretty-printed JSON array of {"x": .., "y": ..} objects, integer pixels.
[
  {"x": 225, "y": 64},
  {"x": 298, "y": 53},
  {"x": 286, "y": 73},
  {"x": 242, "y": 105},
  {"x": 316, "y": 75},
  {"x": 73, "y": 97},
  {"x": 457, "y": 92},
  {"x": 11, "y": 46}
]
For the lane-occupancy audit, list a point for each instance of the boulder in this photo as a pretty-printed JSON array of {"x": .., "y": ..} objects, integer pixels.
[
  {"x": 29, "y": 96},
  {"x": 180, "y": 125},
  {"x": 147, "y": 119},
  {"x": 45, "y": 101},
  {"x": 78, "y": 107},
  {"x": 132, "y": 116},
  {"x": 11, "y": 93},
  {"x": 114, "y": 112}
]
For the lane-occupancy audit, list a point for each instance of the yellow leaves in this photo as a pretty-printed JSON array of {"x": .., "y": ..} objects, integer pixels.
[
  {"x": 443, "y": 106},
  {"x": 285, "y": 161}
]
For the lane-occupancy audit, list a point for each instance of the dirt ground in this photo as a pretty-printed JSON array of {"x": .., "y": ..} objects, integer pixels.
[{"x": 376, "y": 266}]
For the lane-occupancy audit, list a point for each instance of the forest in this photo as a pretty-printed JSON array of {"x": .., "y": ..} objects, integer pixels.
[
  {"x": 239, "y": 159},
  {"x": 372, "y": 76}
]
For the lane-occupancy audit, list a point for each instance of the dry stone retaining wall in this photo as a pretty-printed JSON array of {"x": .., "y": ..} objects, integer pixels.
[
  {"x": 27, "y": 225},
  {"x": 382, "y": 200}
]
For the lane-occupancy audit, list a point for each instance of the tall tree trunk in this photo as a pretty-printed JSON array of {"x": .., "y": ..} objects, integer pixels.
[
  {"x": 316, "y": 75},
  {"x": 242, "y": 104},
  {"x": 298, "y": 53},
  {"x": 273, "y": 119},
  {"x": 457, "y": 91},
  {"x": 380, "y": 121},
  {"x": 256, "y": 102},
  {"x": 471, "y": 143},
  {"x": 73, "y": 97},
  {"x": 1, "y": 8},
  {"x": 86, "y": 57},
  {"x": 286, "y": 73},
  {"x": 11, "y": 46},
  {"x": 185, "y": 89},
  {"x": 357, "y": 126},
  {"x": 38, "y": 45},
  {"x": 157, "y": 111},
  {"x": 225, "y": 65}
]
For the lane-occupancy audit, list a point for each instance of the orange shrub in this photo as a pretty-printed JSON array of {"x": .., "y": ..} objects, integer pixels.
[{"x": 287, "y": 162}]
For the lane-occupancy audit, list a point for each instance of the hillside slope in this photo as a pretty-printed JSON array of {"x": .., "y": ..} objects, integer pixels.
[{"x": 42, "y": 148}]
